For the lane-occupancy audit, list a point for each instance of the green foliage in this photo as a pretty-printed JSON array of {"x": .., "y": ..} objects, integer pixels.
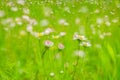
[{"x": 59, "y": 40}]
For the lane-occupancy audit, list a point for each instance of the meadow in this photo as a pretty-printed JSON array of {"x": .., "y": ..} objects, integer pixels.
[{"x": 59, "y": 40}]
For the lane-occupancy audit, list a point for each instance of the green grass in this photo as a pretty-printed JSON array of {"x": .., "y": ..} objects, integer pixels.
[{"x": 20, "y": 51}]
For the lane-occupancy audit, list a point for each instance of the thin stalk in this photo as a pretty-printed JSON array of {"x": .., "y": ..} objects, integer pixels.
[
  {"x": 77, "y": 60},
  {"x": 27, "y": 47},
  {"x": 75, "y": 68},
  {"x": 43, "y": 53}
]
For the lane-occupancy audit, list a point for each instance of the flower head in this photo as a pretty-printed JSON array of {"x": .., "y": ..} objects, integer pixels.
[
  {"x": 61, "y": 46},
  {"x": 62, "y": 34},
  {"x": 48, "y": 43},
  {"x": 79, "y": 53},
  {"x": 37, "y": 34},
  {"x": 2, "y": 13},
  {"x": 48, "y": 31},
  {"x": 29, "y": 28},
  {"x": 21, "y": 2},
  {"x": 61, "y": 72},
  {"x": 78, "y": 37},
  {"x": 44, "y": 22},
  {"x": 52, "y": 74},
  {"x": 85, "y": 44},
  {"x": 63, "y": 22}
]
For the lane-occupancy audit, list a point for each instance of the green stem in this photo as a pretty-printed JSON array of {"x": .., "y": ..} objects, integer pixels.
[{"x": 43, "y": 53}]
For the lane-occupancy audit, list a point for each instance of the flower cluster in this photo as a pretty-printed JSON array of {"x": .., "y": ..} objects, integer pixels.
[
  {"x": 78, "y": 37},
  {"x": 85, "y": 44},
  {"x": 82, "y": 40}
]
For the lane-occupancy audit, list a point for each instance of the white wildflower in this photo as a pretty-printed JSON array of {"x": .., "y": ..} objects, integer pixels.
[
  {"x": 21, "y": 2},
  {"x": 47, "y": 11},
  {"x": 97, "y": 11},
  {"x": 63, "y": 22},
  {"x": 67, "y": 9},
  {"x": 99, "y": 20},
  {"x": 77, "y": 21},
  {"x": 22, "y": 33},
  {"x": 32, "y": 22},
  {"x": 48, "y": 31},
  {"x": 26, "y": 11},
  {"x": 37, "y": 34},
  {"x": 52, "y": 74},
  {"x": 12, "y": 24},
  {"x": 26, "y": 17},
  {"x": 29, "y": 28},
  {"x": 85, "y": 44},
  {"x": 57, "y": 56},
  {"x": 83, "y": 9},
  {"x": 102, "y": 36},
  {"x": 18, "y": 21},
  {"x": 2, "y": 13},
  {"x": 62, "y": 34},
  {"x": 10, "y": 4},
  {"x": 107, "y": 23},
  {"x": 78, "y": 37},
  {"x": 115, "y": 20},
  {"x": 44, "y": 22},
  {"x": 14, "y": 9},
  {"x": 79, "y": 53}
]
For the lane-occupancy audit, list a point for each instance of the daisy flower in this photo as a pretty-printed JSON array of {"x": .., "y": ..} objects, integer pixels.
[
  {"x": 61, "y": 46},
  {"x": 48, "y": 43},
  {"x": 85, "y": 44},
  {"x": 79, "y": 53},
  {"x": 78, "y": 37}
]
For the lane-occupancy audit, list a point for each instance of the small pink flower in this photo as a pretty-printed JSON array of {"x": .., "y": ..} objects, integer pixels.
[
  {"x": 48, "y": 43},
  {"x": 61, "y": 46}
]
